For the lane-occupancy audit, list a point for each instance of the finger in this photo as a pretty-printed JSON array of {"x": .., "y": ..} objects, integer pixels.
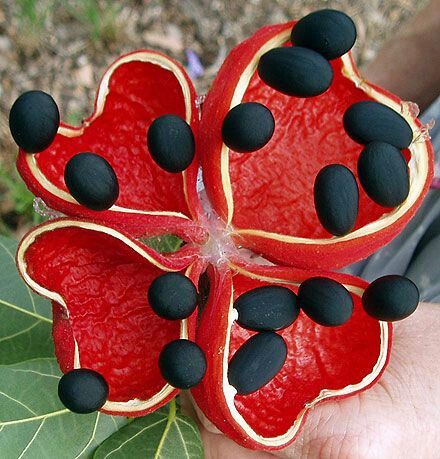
[{"x": 373, "y": 423}]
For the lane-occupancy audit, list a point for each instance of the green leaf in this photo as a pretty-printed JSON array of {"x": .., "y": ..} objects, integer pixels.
[
  {"x": 164, "y": 434},
  {"x": 34, "y": 423},
  {"x": 25, "y": 318},
  {"x": 165, "y": 243}
]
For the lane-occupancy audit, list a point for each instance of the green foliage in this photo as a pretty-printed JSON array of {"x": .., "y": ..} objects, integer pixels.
[
  {"x": 21, "y": 198},
  {"x": 165, "y": 243},
  {"x": 99, "y": 19},
  {"x": 32, "y": 17},
  {"x": 25, "y": 317},
  {"x": 164, "y": 434},
  {"x": 74, "y": 118},
  {"x": 34, "y": 423},
  {"x": 32, "y": 13}
]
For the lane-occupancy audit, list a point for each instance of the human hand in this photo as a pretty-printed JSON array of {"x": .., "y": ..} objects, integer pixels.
[{"x": 398, "y": 417}]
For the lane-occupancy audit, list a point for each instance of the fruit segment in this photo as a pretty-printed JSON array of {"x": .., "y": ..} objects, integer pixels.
[
  {"x": 127, "y": 103},
  {"x": 322, "y": 362},
  {"x": 267, "y": 197},
  {"x": 98, "y": 279}
]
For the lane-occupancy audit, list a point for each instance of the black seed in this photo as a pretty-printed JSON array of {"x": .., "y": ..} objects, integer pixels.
[
  {"x": 336, "y": 199},
  {"x": 83, "y": 391},
  {"x": 368, "y": 121},
  {"x": 325, "y": 301},
  {"x": 256, "y": 362},
  {"x": 248, "y": 127},
  {"x": 171, "y": 143},
  {"x": 182, "y": 363},
  {"x": 391, "y": 298},
  {"x": 267, "y": 308},
  {"x": 295, "y": 71},
  {"x": 34, "y": 120},
  {"x": 383, "y": 174},
  {"x": 330, "y": 33},
  {"x": 172, "y": 296},
  {"x": 91, "y": 181}
]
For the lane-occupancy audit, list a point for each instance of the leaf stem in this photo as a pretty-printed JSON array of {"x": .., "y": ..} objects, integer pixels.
[
  {"x": 24, "y": 311},
  {"x": 171, "y": 418}
]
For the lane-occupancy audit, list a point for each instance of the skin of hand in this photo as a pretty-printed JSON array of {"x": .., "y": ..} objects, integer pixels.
[
  {"x": 407, "y": 65},
  {"x": 398, "y": 417}
]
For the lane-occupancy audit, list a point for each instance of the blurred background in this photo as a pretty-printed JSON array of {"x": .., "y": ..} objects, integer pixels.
[{"x": 63, "y": 47}]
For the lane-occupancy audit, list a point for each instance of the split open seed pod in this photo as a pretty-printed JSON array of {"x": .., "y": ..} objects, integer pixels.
[
  {"x": 267, "y": 196},
  {"x": 323, "y": 363}
]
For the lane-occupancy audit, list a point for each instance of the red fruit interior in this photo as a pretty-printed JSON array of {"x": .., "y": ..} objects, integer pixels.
[
  {"x": 104, "y": 284},
  {"x": 139, "y": 92},
  {"x": 273, "y": 187},
  {"x": 318, "y": 357}
]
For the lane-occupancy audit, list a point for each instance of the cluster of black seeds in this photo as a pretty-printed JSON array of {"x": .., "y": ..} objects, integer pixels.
[
  {"x": 302, "y": 70},
  {"x": 382, "y": 168},
  {"x": 34, "y": 120},
  {"x": 325, "y": 301},
  {"x": 272, "y": 308},
  {"x": 182, "y": 362}
]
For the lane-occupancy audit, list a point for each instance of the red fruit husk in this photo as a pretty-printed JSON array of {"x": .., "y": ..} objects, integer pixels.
[
  {"x": 135, "y": 90},
  {"x": 323, "y": 363},
  {"x": 98, "y": 280},
  {"x": 267, "y": 196},
  {"x": 96, "y": 271}
]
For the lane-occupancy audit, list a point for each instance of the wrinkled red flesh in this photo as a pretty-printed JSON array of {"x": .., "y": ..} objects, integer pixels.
[
  {"x": 273, "y": 187},
  {"x": 139, "y": 93},
  {"x": 318, "y": 357},
  {"x": 105, "y": 284}
]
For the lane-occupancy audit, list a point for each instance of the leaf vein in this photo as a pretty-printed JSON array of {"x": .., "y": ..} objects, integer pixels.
[
  {"x": 32, "y": 439},
  {"x": 21, "y": 332},
  {"x": 92, "y": 437},
  {"x": 134, "y": 436},
  {"x": 170, "y": 419},
  {"x": 27, "y": 288},
  {"x": 18, "y": 401},
  {"x": 183, "y": 440},
  {"x": 35, "y": 418},
  {"x": 25, "y": 311}
]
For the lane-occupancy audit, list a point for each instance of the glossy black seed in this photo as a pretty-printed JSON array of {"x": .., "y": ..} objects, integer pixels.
[
  {"x": 256, "y": 362},
  {"x": 267, "y": 308},
  {"x": 330, "y": 33},
  {"x": 336, "y": 199},
  {"x": 248, "y": 127},
  {"x": 171, "y": 143},
  {"x": 83, "y": 391},
  {"x": 325, "y": 301},
  {"x": 91, "y": 181},
  {"x": 368, "y": 121},
  {"x": 383, "y": 174},
  {"x": 391, "y": 298},
  {"x": 295, "y": 71},
  {"x": 172, "y": 296},
  {"x": 182, "y": 363},
  {"x": 33, "y": 120}
]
